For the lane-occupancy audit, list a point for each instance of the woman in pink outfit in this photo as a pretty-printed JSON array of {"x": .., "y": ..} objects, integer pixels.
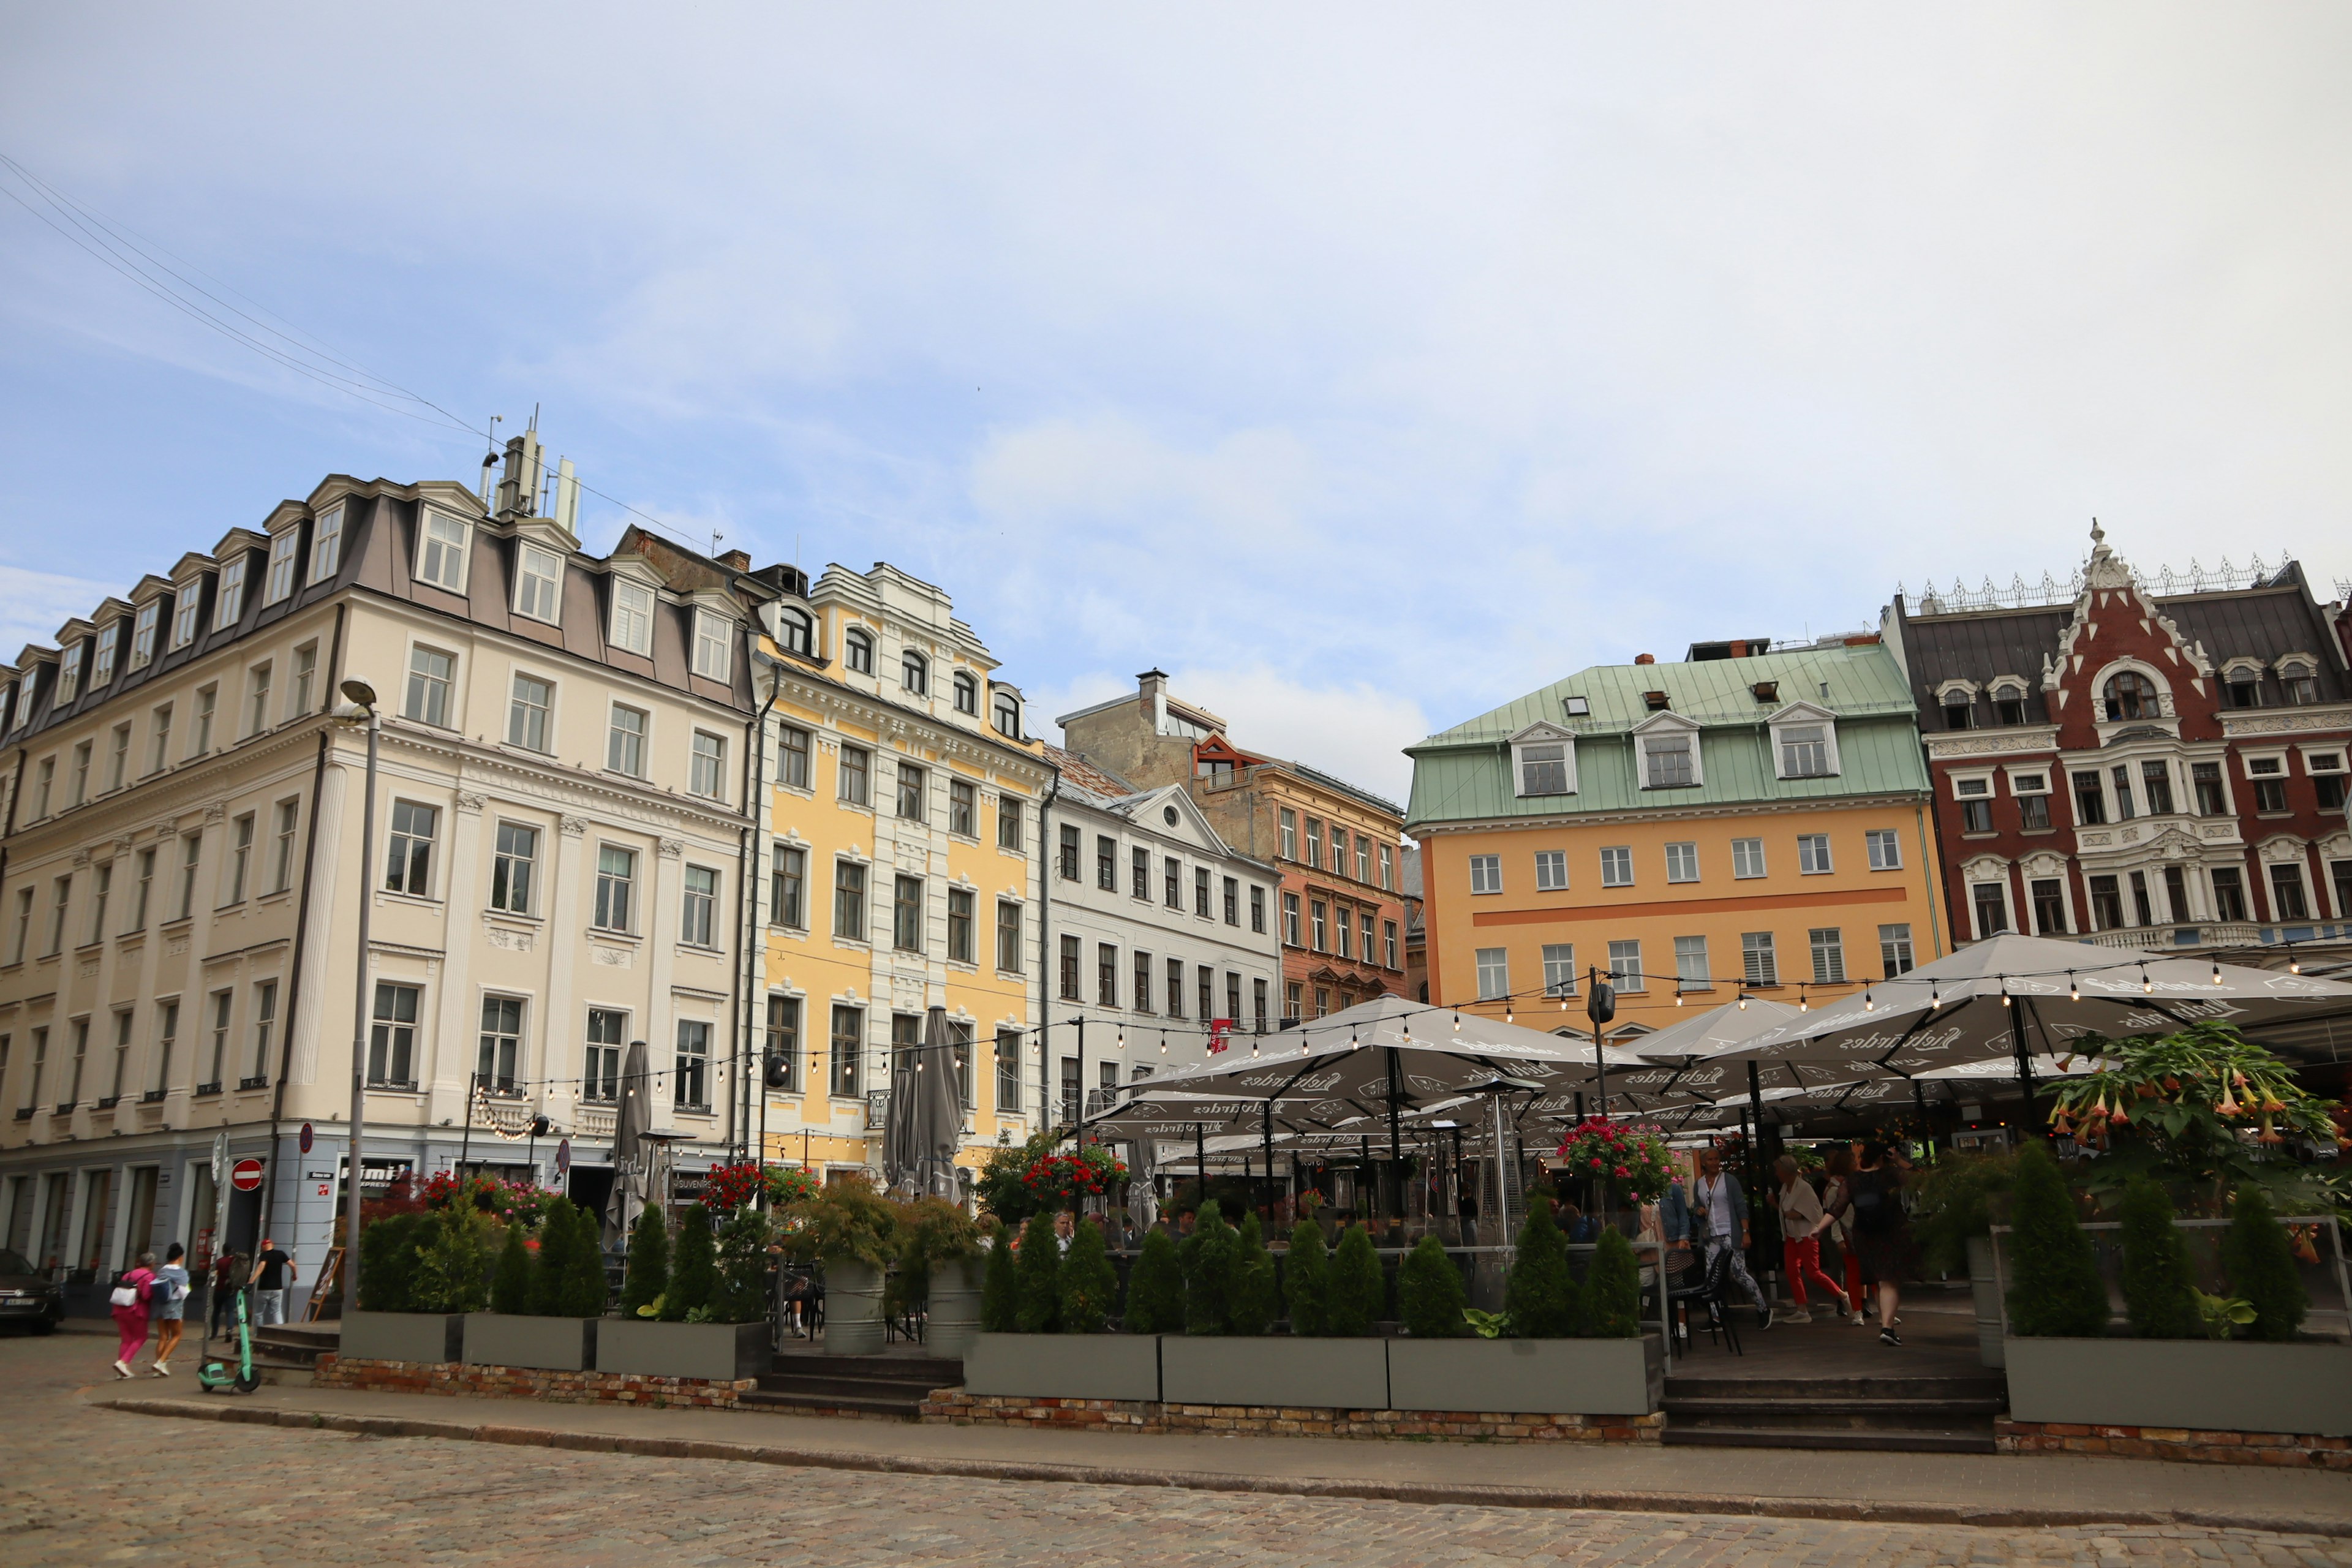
[{"x": 132, "y": 1317}]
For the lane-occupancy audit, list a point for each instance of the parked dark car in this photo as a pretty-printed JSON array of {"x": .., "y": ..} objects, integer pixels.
[{"x": 27, "y": 1297}]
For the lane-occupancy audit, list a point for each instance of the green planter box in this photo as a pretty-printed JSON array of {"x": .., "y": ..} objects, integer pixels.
[
  {"x": 1275, "y": 1369},
  {"x": 554, "y": 1344},
  {"x": 404, "y": 1336},
  {"x": 2203, "y": 1385},
  {"x": 1064, "y": 1366},
  {"x": 720, "y": 1353},
  {"x": 1553, "y": 1377}
]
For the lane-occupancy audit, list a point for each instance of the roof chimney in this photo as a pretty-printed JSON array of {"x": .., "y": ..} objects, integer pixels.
[
  {"x": 1645, "y": 658},
  {"x": 737, "y": 560}
]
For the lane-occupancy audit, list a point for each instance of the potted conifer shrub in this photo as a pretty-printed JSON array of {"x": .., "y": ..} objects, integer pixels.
[
  {"x": 529, "y": 1289},
  {"x": 1059, "y": 1305},
  {"x": 939, "y": 1249},
  {"x": 852, "y": 1231},
  {"x": 429, "y": 1271},
  {"x": 675, "y": 1319},
  {"x": 1213, "y": 1363}
]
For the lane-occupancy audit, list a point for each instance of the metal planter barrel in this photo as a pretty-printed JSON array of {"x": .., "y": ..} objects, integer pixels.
[
  {"x": 852, "y": 1308},
  {"x": 951, "y": 1324}
]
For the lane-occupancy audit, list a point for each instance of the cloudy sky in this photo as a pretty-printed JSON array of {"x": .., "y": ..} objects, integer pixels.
[{"x": 1364, "y": 367}]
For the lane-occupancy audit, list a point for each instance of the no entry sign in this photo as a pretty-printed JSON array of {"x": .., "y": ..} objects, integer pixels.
[{"x": 246, "y": 1176}]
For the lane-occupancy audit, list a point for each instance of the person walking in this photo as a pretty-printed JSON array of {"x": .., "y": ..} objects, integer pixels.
[
  {"x": 221, "y": 1309},
  {"x": 130, "y": 1300},
  {"x": 168, "y": 1300},
  {"x": 1721, "y": 1210},
  {"x": 1802, "y": 1223},
  {"x": 1837, "y": 1203},
  {"x": 273, "y": 1271},
  {"x": 1881, "y": 1233}
]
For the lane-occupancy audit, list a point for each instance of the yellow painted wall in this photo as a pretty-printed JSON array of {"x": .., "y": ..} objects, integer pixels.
[{"x": 1654, "y": 911}]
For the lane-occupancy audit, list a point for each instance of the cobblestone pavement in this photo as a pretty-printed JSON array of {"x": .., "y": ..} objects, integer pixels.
[{"x": 80, "y": 1485}]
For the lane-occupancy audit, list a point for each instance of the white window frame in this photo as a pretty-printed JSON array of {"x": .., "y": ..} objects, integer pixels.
[
  {"x": 515, "y": 705},
  {"x": 326, "y": 544},
  {"x": 1559, "y": 969},
  {"x": 1804, "y": 715},
  {"x": 644, "y": 737},
  {"x": 1689, "y": 858},
  {"x": 186, "y": 605},
  {"x": 105, "y": 649},
  {"x": 1684, "y": 953},
  {"x": 1493, "y": 966},
  {"x": 278, "y": 580},
  {"x": 1542, "y": 735},
  {"x": 68, "y": 677},
  {"x": 228, "y": 603},
  {"x": 532, "y": 584},
  {"x": 1973, "y": 875},
  {"x": 1749, "y": 860},
  {"x": 1893, "y": 838},
  {"x": 1551, "y": 871},
  {"x": 410, "y": 674},
  {"x": 716, "y": 759},
  {"x": 1628, "y": 980},
  {"x": 1624, "y": 854},
  {"x": 1486, "y": 875},
  {"x": 142, "y": 640},
  {"x": 856, "y": 644},
  {"x": 714, "y": 656},
  {"x": 456, "y": 551},
  {"x": 630, "y": 625},
  {"x": 1659, "y": 727},
  {"x": 1810, "y": 842}
]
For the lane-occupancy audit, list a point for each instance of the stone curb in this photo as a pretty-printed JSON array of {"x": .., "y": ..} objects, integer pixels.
[{"x": 1835, "y": 1509}]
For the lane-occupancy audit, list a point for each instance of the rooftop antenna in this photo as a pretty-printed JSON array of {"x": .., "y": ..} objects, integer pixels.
[
  {"x": 490, "y": 458},
  {"x": 715, "y": 537}
]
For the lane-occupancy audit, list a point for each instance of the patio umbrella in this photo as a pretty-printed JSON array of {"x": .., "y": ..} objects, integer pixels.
[
  {"x": 633, "y": 1120},
  {"x": 2015, "y": 998},
  {"x": 1716, "y": 1030},
  {"x": 925, "y": 1120}
]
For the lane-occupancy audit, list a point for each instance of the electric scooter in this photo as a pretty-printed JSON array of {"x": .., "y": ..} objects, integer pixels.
[{"x": 242, "y": 1375}]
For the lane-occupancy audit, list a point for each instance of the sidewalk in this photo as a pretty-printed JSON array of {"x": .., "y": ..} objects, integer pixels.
[{"x": 2020, "y": 1490}]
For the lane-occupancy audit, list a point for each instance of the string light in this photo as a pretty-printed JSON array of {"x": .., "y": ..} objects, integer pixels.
[
  {"x": 1803, "y": 1004},
  {"x": 1743, "y": 1001},
  {"x": 2147, "y": 987},
  {"x": 1868, "y": 1006},
  {"x": 2217, "y": 971},
  {"x": 1163, "y": 1042},
  {"x": 1678, "y": 996},
  {"x": 1458, "y": 1020},
  {"x": 1123, "y": 1036},
  {"x": 1507, "y": 1016},
  {"x": 2004, "y": 992},
  {"x": 1935, "y": 996},
  {"x": 2293, "y": 965},
  {"x": 2073, "y": 990}
]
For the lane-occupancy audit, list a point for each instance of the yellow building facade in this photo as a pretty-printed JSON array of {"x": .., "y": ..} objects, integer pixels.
[
  {"x": 1755, "y": 824},
  {"x": 899, "y": 867}
]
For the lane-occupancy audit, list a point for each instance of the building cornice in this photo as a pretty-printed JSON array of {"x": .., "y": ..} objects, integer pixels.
[{"x": 1621, "y": 819}]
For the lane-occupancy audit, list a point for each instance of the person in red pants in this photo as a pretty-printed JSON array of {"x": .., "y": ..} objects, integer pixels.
[{"x": 1801, "y": 1239}]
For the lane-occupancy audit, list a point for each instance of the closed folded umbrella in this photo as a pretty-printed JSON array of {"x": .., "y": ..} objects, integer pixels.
[
  {"x": 925, "y": 1120},
  {"x": 631, "y": 1161}
]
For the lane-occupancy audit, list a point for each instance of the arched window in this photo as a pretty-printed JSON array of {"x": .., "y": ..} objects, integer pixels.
[
  {"x": 967, "y": 694},
  {"x": 1007, "y": 713},
  {"x": 2131, "y": 695},
  {"x": 793, "y": 631},
  {"x": 857, "y": 651},
  {"x": 914, "y": 674}
]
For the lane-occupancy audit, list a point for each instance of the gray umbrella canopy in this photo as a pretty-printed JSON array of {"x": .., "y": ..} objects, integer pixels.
[
  {"x": 1952, "y": 1012},
  {"x": 924, "y": 1122},
  {"x": 1163, "y": 1114},
  {"x": 631, "y": 1164},
  {"x": 1714, "y": 1031}
]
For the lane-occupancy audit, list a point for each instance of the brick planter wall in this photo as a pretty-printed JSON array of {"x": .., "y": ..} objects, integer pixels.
[
  {"x": 953, "y": 1407},
  {"x": 527, "y": 1382},
  {"x": 2280, "y": 1448}
]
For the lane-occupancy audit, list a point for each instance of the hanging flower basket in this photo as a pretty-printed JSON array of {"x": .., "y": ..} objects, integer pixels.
[
  {"x": 728, "y": 1187},
  {"x": 1632, "y": 1155},
  {"x": 508, "y": 1203},
  {"x": 1066, "y": 1179}
]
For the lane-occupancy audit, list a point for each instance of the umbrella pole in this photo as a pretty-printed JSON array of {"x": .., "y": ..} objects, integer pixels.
[
  {"x": 1199, "y": 1166},
  {"x": 1081, "y": 1114},
  {"x": 1396, "y": 1157},
  {"x": 2024, "y": 1062},
  {"x": 1268, "y": 1134}
]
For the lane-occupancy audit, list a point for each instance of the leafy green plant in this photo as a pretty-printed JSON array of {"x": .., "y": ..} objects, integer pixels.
[
  {"x": 1488, "y": 1325},
  {"x": 2218, "y": 1315},
  {"x": 1306, "y": 1278},
  {"x": 999, "y": 1286},
  {"x": 1039, "y": 1265},
  {"x": 453, "y": 1262},
  {"x": 510, "y": 1285},
  {"x": 1155, "y": 1291},
  {"x": 1951, "y": 1201},
  {"x": 1612, "y": 1291},
  {"x": 2158, "y": 1285},
  {"x": 1256, "y": 1301},
  {"x": 1429, "y": 1298},
  {"x": 584, "y": 1288},
  {"x": 931, "y": 1232},
  {"x": 2058, "y": 1293},
  {"x": 1090, "y": 1284},
  {"x": 743, "y": 1293},
  {"x": 1208, "y": 1257},
  {"x": 1540, "y": 1294},
  {"x": 1000, "y": 1187},
  {"x": 847, "y": 1220},
  {"x": 559, "y": 1234},
  {"x": 694, "y": 1267},
  {"x": 388, "y": 1262},
  {"x": 2260, "y": 1267},
  {"x": 647, "y": 1279},
  {"x": 1356, "y": 1291}
]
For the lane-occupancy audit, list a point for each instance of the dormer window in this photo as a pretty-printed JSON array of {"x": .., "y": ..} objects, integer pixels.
[
  {"x": 713, "y": 636},
  {"x": 538, "y": 583},
  {"x": 633, "y": 616},
  {"x": 1007, "y": 715},
  {"x": 279, "y": 580},
  {"x": 2007, "y": 702},
  {"x": 857, "y": 650},
  {"x": 327, "y": 545},
  {"x": 143, "y": 634},
  {"x": 1805, "y": 752},
  {"x": 1543, "y": 769},
  {"x": 2130, "y": 695},
  {"x": 1669, "y": 759},
  {"x": 230, "y": 602},
  {"x": 967, "y": 694},
  {"x": 69, "y": 675},
  {"x": 189, "y": 605},
  {"x": 441, "y": 552},
  {"x": 914, "y": 673},
  {"x": 2300, "y": 682},
  {"x": 101, "y": 663},
  {"x": 795, "y": 633}
]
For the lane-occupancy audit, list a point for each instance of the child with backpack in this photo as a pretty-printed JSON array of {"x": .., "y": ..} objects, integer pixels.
[{"x": 168, "y": 1300}]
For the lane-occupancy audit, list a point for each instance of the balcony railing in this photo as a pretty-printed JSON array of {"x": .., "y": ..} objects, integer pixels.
[{"x": 2179, "y": 938}]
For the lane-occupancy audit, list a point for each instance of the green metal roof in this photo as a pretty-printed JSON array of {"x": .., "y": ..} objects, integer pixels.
[{"x": 1463, "y": 774}]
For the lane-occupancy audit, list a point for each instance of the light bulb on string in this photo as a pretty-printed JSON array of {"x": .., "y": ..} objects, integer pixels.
[
  {"x": 1163, "y": 1042},
  {"x": 1935, "y": 996},
  {"x": 2217, "y": 971},
  {"x": 1743, "y": 1001},
  {"x": 1123, "y": 1036},
  {"x": 1803, "y": 1004},
  {"x": 1507, "y": 1016},
  {"x": 1458, "y": 1020},
  {"x": 1868, "y": 1006},
  {"x": 2073, "y": 991},
  {"x": 2147, "y": 987},
  {"x": 1678, "y": 997},
  {"x": 2293, "y": 965},
  {"x": 2004, "y": 992}
]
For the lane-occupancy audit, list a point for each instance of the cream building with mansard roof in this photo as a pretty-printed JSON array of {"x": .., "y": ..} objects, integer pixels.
[{"x": 561, "y": 842}]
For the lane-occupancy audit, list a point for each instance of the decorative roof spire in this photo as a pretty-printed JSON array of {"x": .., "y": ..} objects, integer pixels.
[{"x": 2104, "y": 569}]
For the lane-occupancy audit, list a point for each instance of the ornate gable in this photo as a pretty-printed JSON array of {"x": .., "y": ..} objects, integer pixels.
[{"x": 2112, "y": 598}]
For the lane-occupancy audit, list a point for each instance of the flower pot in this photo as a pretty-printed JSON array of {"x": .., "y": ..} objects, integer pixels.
[
  {"x": 1274, "y": 1369},
  {"x": 852, "y": 1308},
  {"x": 952, "y": 1320},
  {"x": 1064, "y": 1366},
  {"x": 720, "y": 1353},
  {"x": 1551, "y": 1378},
  {"x": 555, "y": 1344},
  {"x": 1986, "y": 1290},
  {"x": 403, "y": 1336},
  {"x": 2203, "y": 1385}
]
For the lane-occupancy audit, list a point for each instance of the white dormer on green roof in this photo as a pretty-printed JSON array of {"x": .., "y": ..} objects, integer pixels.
[
  {"x": 1804, "y": 741},
  {"x": 1669, "y": 752},
  {"x": 1543, "y": 761}
]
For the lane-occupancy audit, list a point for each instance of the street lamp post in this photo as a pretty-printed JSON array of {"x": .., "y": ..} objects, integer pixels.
[{"x": 363, "y": 699}]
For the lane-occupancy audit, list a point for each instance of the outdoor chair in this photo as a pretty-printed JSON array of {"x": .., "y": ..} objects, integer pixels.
[{"x": 1713, "y": 1291}]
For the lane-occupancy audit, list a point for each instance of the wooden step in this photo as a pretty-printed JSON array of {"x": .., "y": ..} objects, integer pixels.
[{"x": 1875, "y": 1438}]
